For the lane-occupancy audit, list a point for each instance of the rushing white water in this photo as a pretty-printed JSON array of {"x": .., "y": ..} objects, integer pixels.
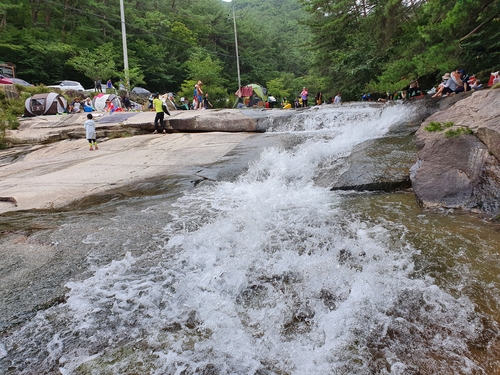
[{"x": 266, "y": 275}]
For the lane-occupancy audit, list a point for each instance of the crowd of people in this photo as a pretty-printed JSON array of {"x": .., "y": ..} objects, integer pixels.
[
  {"x": 456, "y": 82},
  {"x": 302, "y": 100},
  {"x": 86, "y": 105},
  {"x": 452, "y": 83}
]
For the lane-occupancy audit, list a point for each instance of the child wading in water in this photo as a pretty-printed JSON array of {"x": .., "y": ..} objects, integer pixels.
[{"x": 90, "y": 129}]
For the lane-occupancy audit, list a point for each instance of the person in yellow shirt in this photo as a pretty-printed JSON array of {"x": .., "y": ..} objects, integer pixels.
[{"x": 160, "y": 115}]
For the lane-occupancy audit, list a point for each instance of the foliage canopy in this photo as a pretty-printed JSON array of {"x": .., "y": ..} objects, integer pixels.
[{"x": 347, "y": 46}]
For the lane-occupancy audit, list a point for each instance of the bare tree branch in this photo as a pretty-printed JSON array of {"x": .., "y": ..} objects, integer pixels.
[{"x": 478, "y": 27}]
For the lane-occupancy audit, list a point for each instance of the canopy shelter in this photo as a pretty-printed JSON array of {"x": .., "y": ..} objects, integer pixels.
[
  {"x": 99, "y": 101},
  {"x": 45, "y": 104},
  {"x": 249, "y": 90}
]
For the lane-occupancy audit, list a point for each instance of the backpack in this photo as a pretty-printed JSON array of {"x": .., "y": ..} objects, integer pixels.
[
  {"x": 165, "y": 109},
  {"x": 494, "y": 78}
]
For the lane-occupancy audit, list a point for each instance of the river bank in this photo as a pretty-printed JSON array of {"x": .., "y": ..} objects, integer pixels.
[{"x": 51, "y": 165}]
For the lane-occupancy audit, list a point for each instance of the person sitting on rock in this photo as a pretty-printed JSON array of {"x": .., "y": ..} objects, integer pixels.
[
  {"x": 465, "y": 79},
  {"x": 449, "y": 85},
  {"x": 76, "y": 106},
  {"x": 110, "y": 107},
  {"x": 474, "y": 83},
  {"x": 127, "y": 104},
  {"x": 413, "y": 89},
  {"x": 455, "y": 76}
]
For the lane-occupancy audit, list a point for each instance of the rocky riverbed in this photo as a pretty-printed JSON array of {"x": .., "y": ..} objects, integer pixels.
[{"x": 50, "y": 166}]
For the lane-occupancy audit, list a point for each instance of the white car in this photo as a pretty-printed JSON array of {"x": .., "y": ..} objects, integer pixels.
[{"x": 68, "y": 85}]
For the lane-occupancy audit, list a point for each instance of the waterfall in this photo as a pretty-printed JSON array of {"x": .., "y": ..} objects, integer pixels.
[{"x": 271, "y": 274}]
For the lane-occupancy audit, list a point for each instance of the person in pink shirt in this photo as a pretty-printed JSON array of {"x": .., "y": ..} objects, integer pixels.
[{"x": 304, "y": 95}]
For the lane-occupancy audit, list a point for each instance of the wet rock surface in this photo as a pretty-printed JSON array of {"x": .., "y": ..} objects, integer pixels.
[
  {"x": 36, "y": 280},
  {"x": 382, "y": 164}
]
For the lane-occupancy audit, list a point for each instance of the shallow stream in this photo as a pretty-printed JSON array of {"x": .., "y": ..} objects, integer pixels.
[{"x": 266, "y": 274}]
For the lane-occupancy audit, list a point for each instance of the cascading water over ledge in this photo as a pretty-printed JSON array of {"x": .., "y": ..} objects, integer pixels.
[{"x": 272, "y": 273}]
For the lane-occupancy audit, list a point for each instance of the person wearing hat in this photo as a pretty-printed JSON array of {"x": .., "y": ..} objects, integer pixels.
[
  {"x": 465, "y": 79},
  {"x": 447, "y": 87},
  {"x": 474, "y": 83},
  {"x": 456, "y": 77},
  {"x": 160, "y": 115},
  {"x": 76, "y": 106},
  {"x": 87, "y": 105}
]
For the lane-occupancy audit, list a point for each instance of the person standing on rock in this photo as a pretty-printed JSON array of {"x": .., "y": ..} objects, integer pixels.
[
  {"x": 319, "y": 98},
  {"x": 98, "y": 85},
  {"x": 199, "y": 95},
  {"x": 304, "y": 96},
  {"x": 160, "y": 115},
  {"x": 206, "y": 102},
  {"x": 90, "y": 132}
]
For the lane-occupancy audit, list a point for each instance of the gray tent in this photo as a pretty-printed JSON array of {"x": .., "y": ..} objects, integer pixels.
[{"x": 45, "y": 104}]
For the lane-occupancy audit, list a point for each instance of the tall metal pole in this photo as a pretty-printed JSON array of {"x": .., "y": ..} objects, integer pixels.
[
  {"x": 125, "y": 54},
  {"x": 236, "y": 43}
]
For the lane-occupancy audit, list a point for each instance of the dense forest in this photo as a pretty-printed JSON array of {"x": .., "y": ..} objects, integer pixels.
[{"x": 350, "y": 46}]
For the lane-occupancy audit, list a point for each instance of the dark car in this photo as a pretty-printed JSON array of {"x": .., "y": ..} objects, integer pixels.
[{"x": 19, "y": 81}]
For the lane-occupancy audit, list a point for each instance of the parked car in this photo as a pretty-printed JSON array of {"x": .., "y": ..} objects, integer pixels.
[
  {"x": 68, "y": 85},
  {"x": 19, "y": 81},
  {"x": 5, "y": 80}
]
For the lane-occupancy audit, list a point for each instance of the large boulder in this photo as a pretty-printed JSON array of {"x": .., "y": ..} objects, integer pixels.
[
  {"x": 216, "y": 120},
  {"x": 461, "y": 170},
  {"x": 382, "y": 163},
  {"x": 379, "y": 164}
]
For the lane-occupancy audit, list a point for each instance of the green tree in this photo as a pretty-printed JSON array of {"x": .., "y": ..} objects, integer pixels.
[
  {"x": 277, "y": 88},
  {"x": 204, "y": 68},
  {"x": 384, "y": 44},
  {"x": 96, "y": 64}
]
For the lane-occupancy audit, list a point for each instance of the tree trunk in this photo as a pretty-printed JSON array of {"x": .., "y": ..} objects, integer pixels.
[
  {"x": 3, "y": 21},
  {"x": 64, "y": 19},
  {"x": 34, "y": 11}
]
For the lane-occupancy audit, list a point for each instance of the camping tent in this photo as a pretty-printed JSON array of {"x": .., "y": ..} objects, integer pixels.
[
  {"x": 99, "y": 101},
  {"x": 45, "y": 104},
  {"x": 250, "y": 90}
]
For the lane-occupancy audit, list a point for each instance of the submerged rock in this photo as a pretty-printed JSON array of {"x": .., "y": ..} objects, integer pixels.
[{"x": 381, "y": 164}]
